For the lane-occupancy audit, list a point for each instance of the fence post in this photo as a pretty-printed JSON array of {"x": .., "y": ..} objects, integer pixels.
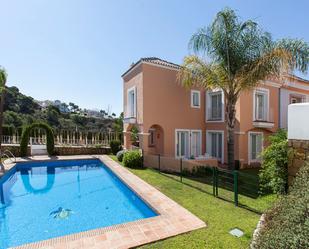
[
  {"x": 217, "y": 178},
  {"x": 159, "y": 163},
  {"x": 213, "y": 181},
  {"x": 235, "y": 173},
  {"x": 180, "y": 169}
]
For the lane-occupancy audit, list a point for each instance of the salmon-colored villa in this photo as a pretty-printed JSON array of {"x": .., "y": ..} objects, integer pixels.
[{"x": 177, "y": 122}]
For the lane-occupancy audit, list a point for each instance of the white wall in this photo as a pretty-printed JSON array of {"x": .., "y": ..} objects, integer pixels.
[
  {"x": 298, "y": 121},
  {"x": 284, "y": 102}
]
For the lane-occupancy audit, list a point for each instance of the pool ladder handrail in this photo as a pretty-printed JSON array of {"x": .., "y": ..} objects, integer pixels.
[{"x": 9, "y": 155}]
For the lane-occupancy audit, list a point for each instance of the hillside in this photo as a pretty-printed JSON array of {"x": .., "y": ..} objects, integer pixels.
[{"x": 20, "y": 110}]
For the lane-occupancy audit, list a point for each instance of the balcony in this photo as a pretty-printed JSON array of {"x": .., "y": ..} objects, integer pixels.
[
  {"x": 129, "y": 120},
  {"x": 265, "y": 120},
  {"x": 214, "y": 114},
  {"x": 129, "y": 116}
]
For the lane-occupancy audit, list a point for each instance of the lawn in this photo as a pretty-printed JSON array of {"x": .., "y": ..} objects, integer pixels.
[{"x": 219, "y": 215}]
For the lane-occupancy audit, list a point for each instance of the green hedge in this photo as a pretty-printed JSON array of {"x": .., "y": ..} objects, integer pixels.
[
  {"x": 133, "y": 159},
  {"x": 50, "y": 143},
  {"x": 115, "y": 146},
  {"x": 287, "y": 223}
]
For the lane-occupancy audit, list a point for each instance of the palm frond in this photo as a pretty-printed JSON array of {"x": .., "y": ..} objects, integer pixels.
[
  {"x": 196, "y": 72},
  {"x": 299, "y": 51}
]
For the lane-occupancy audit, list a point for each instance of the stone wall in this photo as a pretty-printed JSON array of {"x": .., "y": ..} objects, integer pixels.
[
  {"x": 77, "y": 150},
  {"x": 62, "y": 150},
  {"x": 298, "y": 156}
]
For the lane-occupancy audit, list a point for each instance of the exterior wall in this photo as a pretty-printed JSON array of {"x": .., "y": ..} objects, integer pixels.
[
  {"x": 134, "y": 79},
  {"x": 285, "y": 94},
  {"x": 164, "y": 104},
  {"x": 168, "y": 105},
  {"x": 298, "y": 135},
  {"x": 298, "y": 158},
  {"x": 62, "y": 150}
]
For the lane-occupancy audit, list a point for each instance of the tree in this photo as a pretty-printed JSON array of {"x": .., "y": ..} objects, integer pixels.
[
  {"x": 239, "y": 55},
  {"x": 3, "y": 78},
  {"x": 274, "y": 172}
]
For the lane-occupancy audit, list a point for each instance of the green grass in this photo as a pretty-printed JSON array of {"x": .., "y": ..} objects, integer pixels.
[{"x": 220, "y": 215}]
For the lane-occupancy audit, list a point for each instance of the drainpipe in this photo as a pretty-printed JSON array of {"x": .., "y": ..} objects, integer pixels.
[{"x": 279, "y": 111}]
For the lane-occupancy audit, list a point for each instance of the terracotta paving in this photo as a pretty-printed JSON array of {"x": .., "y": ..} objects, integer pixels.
[{"x": 172, "y": 219}]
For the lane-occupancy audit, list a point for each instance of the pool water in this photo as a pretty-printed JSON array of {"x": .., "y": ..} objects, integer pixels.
[{"x": 40, "y": 201}]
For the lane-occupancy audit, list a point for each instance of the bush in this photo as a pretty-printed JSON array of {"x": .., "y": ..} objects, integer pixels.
[
  {"x": 120, "y": 155},
  {"x": 50, "y": 144},
  {"x": 273, "y": 174},
  {"x": 287, "y": 224},
  {"x": 133, "y": 159},
  {"x": 115, "y": 146}
]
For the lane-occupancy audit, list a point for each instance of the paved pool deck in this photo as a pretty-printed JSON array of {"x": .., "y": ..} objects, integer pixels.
[{"x": 172, "y": 219}]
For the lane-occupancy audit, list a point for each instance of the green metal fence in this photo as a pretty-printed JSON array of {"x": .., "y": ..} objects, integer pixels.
[{"x": 237, "y": 186}]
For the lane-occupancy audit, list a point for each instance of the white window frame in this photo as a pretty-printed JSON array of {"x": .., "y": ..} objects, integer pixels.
[
  {"x": 208, "y": 105},
  {"x": 191, "y": 144},
  {"x": 208, "y": 142},
  {"x": 199, "y": 98},
  {"x": 250, "y": 160},
  {"x": 264, "y": 91},
  {"x": 134, "y": 102},
  {"x": 189, "y": 141}
]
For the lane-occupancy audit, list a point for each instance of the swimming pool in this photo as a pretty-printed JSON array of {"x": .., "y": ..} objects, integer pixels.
[{"x": 43, "y": 200}]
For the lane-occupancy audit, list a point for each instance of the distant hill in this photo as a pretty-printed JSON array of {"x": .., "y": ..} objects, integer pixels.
[{"x": 20, "y": 110}]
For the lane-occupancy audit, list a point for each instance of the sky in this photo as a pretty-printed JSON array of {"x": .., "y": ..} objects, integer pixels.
[{"x": 76, "y": 50}]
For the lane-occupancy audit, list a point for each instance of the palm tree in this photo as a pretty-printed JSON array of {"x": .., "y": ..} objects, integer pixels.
[
  {"x": 235, "y": 56},
  {"x": 3, "y": 77}
]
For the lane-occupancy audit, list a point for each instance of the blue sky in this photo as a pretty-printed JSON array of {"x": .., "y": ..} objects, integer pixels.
[{"x": 76, "y": 50}]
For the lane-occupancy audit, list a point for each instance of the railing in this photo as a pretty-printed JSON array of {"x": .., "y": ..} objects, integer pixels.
[
  {"x": 238, "y": 186},
  {"x": 214, "y": 114},
  {"x": 268, "y": 116},
  {"x": 102, "y": 140}
]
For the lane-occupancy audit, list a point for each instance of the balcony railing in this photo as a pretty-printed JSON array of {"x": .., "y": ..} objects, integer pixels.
[
  {"x": 214, "y": 114},
  {"x": 266, "y": 121}
]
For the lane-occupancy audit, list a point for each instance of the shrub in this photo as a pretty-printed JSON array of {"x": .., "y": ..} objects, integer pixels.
[
  {"x": 133, "y": 159},
  {"x": 287, "y": 223},
  {"x": 120, "y": 155},
  {"x": 50, "y": 144},
  {"x": 273, "y": 174},
  {"x": 115, "y": 146}
]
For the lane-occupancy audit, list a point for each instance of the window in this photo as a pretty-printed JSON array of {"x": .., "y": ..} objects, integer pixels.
[
  {"x": 215, "y": 106},
  {"x": 261, "y": 105},
  {"x": 255, "y": 146},
  {"x": 131, "y": 102},
  {"x": 151, "y": 137},
  {"x": 195, "y": 99},
  {"x": 215, "y": 144},
  {"x": 296, "y": 99},
  {"x": 188, "y": 143},
  {"x": 182, "y": 143},
  {"x": 196, "y": 143}
]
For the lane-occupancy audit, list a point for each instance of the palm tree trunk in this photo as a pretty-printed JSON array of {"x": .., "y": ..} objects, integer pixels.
[
  {"x": 1, "y": 117},
  {"x": 230, "y": 113}
]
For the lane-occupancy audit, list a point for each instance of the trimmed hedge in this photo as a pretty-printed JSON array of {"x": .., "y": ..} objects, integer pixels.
[
  {"x": 287, "y": 223},
  {"x": 133, "y": 159},
  {"x": 115, "y": 146},
  {"x": 50, "y": 143}
]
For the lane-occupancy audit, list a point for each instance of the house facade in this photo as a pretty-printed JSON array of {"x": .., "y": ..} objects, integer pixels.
[{"x": 177, "y": 122}]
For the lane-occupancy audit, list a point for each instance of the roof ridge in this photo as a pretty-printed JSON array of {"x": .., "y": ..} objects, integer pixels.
[{"x": 155, "y": 61}]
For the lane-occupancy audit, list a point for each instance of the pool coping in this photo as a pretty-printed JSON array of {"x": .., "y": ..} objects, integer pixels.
[{"x": 172, "y": 219}]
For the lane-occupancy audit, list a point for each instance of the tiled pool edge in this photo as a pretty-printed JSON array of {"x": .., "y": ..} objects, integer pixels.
[{"x": 172, "y": 220}]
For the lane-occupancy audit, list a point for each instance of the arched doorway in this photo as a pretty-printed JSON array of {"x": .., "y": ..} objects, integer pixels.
[
  {"x": 25, "y": 137},
  {"x": 156, "y": 140}
]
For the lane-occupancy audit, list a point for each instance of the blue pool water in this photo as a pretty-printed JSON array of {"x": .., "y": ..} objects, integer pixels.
[{"x": 39, "y": 201}]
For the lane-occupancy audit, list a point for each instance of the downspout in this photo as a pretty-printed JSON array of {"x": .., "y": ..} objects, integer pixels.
[{"x": 279, "y": 112}]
